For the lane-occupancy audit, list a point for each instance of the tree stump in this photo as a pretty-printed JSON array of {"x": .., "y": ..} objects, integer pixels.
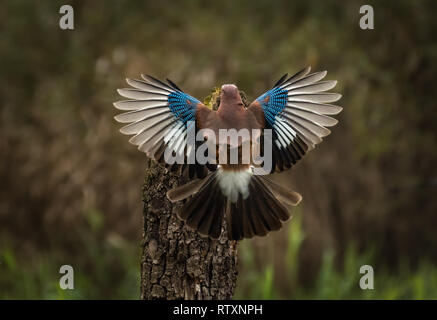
[{"x": 177, "y": 263}]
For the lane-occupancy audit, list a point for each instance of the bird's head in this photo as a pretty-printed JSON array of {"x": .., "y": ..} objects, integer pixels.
[{"x": 229, "y": 94}]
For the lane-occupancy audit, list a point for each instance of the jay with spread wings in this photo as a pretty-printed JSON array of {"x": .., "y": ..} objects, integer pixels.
[{"x": 296, "y": 110}]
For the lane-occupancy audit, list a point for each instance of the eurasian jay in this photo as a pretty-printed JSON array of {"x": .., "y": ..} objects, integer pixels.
[{"x": 295, "y": 109}]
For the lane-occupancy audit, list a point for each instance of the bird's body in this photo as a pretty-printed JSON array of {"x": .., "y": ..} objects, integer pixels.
[{"x": 295, "y": 110}]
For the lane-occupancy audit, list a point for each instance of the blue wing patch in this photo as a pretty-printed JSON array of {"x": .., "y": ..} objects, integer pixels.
[
  {"x": 273, "y": 102},
  {"x": 183, "y": 106}
]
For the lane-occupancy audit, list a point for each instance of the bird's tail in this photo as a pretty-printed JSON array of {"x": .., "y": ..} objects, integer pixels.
[{"x": 256, "y": 208}]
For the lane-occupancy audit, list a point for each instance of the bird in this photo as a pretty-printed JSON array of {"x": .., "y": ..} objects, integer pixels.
[{"x": 297, "y": 110}]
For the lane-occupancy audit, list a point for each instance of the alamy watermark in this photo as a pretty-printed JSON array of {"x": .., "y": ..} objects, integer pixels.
[
  {"x": 66, "y": 22},
  {"x": 230, "y": 147},
  {"x": 366, "y": 281},
  {"x": 67, "y": 280},
  {"x": 367, "y": 20}
]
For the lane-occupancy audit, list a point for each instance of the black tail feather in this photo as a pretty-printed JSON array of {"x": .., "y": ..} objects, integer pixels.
[
  {"x": 269, "y": 201},
  {"x": 204, "y": 211},
  {"x": 259, "y": 213}
]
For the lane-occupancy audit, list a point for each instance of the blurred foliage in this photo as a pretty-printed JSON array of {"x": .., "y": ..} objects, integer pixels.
[
  {"x": 41, "y": 280},
  {"x": 105, "y": 269},
  {"x": 71, "y": 182},
  {"x": 332, "y": 282}
]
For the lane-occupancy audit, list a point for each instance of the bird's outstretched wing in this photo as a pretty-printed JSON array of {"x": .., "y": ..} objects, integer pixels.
[
  {"x": 296, "y": 110},
  {"x": 159, "y": 115}
]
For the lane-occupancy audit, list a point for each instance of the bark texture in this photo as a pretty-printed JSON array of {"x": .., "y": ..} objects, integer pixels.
[{"x": 177, "y": 263}]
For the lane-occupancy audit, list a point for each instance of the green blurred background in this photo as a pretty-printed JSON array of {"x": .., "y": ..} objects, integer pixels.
[{"x": 71, "y": 184}]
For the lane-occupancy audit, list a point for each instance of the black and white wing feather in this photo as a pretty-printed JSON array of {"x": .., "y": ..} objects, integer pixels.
[
  {"x": 159, "y": 116},
  {"x": 298, "y": 110}
]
